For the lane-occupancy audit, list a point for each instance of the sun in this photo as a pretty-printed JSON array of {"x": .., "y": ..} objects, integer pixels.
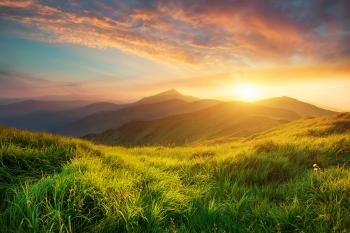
[{"x": 247, "y": 92}]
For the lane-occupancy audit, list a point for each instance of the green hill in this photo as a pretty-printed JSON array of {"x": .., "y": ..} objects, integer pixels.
[
  {"x": 263, "y": 183},
  {"x": 235, "y": 119}
]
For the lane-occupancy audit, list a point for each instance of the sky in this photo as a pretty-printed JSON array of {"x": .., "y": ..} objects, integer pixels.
[{"x": 123, "y": 50}]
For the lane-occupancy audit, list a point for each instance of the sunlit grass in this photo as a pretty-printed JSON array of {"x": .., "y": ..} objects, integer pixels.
[{"x": 265, "y": 183}]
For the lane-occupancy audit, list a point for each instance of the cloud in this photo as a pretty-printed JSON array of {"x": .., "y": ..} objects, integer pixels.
[{"x": 236, "y": 32}]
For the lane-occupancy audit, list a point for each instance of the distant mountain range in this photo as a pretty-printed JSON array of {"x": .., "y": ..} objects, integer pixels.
[
  {"x": 167, "y": 118},
  {"x": 299, "y": 107},
  {"x": 31, "y": 106},
  {"x": 102, "y": 121},
  {"x": 53, "y": 118}
]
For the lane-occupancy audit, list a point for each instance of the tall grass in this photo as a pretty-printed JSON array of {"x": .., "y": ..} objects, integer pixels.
[{"x": 265, "y": 183}]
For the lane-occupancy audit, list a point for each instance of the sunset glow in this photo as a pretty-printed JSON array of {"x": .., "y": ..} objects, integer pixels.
[
  {"x": 174, "y": 116},
  {"x": 247, "y": 92},
  {"x": 123, "y": 50}
]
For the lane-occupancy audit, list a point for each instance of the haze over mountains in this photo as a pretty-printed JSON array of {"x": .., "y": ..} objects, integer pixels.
[
  {"x": 299, "y": 107},
  {"x": 30, "y": 106},
  {"x": 167, "y": 95},
  {"x": 167, "y": 118},
  {"x": 102, "y": 121},
  {"x": 224, "y": 119},
  {"x": 52, "y": 119}
]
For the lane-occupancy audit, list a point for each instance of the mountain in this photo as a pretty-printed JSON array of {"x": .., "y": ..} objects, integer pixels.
[
  {"x": 30, "y": 106},
  {"x": 235, "y": 119},
  {"x": 96, "y": 107},
  {"x": 101, "y": 121},
  {"x": 171, "y": 94},
  {"x": 301, "y": 108},
  {"x": 5, "y": 101},
  {"x": 68, "y": 117},
  {"x": 78, "y": 118},
  {"x": 46, "y": 120}
]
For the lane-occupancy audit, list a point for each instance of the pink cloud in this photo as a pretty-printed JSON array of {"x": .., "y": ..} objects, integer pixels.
[{"x": 239, "y": 32}]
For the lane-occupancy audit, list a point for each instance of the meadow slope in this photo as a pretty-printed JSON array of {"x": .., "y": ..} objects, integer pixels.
[{"x": 263, "y": 183}]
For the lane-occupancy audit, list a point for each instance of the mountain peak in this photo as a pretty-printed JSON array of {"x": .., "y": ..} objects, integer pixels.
[
  {"x": 280, "y": 98},
  {"x": 166, "y": 95},
  {"x": 171, "y": 91},
  {"x": 302, "y": 108}
]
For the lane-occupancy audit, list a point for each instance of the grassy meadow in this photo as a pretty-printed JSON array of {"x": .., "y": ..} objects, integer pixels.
[{"x": 264, "y": 183}]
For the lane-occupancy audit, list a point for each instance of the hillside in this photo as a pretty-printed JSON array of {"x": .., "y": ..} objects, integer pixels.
[
  {"x": 301, "y": 108},
  {"x": 225, "y": 119},
  {"x": 265, "y": 183},
  {"x": 102, "y": 121}
]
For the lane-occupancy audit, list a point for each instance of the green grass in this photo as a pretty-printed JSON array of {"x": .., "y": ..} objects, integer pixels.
[{"x": 264, "y": 183}]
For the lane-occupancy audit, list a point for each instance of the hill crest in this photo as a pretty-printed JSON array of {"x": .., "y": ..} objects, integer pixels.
[
  {"x": 166, "y": 95},
  {"x": 304, "y": 109}
]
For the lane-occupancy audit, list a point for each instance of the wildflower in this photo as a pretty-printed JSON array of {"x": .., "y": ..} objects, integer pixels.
[
  {"x": 316, "y": 167},
  {"x": 81, "y": 204},
  {"x": 28, "y": 202}
]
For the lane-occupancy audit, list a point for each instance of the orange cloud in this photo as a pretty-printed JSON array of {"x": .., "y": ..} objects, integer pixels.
[{"x": 241, "y": 33}]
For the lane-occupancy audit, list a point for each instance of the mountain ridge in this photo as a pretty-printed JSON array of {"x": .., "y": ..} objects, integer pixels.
[
  {"x": 222, "y": 119},
  {"x": 166, "y": 95},
  {"x": 102, "y": 121},
  {"x": 302, "y": 108},
  {"x": 28, "y": 106},
  {"x": 79, "y": 118}
]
